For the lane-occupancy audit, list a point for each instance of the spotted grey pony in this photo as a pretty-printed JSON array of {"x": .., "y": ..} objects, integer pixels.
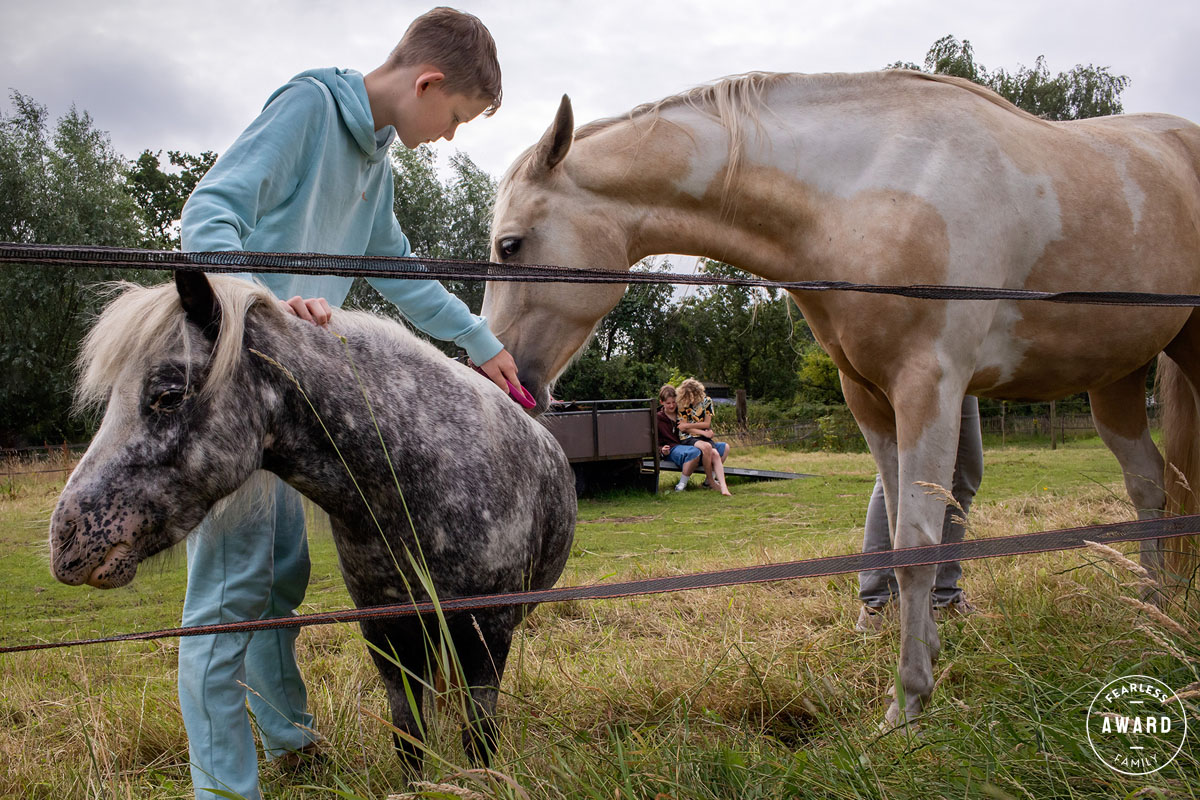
[{"x": 410, "y": 453}]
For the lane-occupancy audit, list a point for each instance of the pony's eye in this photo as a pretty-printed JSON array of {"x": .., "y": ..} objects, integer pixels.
[
  {"x": 508, "y": 246},
  {"x": 169, "y": 400}
]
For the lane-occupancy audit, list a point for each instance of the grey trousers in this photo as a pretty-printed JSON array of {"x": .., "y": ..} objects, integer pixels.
[{"x": 877, "y": 588}]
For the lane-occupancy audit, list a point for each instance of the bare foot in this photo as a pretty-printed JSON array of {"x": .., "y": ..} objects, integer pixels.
[{"x": 725, "y": 491}]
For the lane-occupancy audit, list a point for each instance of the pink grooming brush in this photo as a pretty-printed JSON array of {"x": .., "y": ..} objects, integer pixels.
[{"x": 518, "y": 393}]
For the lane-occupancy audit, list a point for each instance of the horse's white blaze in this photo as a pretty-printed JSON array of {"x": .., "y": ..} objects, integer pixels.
[{"x": 116, "y": 429}]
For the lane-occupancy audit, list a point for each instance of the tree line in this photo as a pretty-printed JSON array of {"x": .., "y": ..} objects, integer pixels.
[{"x": 65, "y": 184}]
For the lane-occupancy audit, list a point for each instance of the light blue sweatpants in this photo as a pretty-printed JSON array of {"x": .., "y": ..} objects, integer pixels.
[
  {"x": 244, "y": 566},
  {"x": 878, "y": 587}
]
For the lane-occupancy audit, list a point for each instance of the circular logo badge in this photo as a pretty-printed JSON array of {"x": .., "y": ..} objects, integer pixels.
[{"x": 1136, "y": 725}]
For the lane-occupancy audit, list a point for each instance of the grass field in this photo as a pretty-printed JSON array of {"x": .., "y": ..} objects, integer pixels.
[{"x": 745, "y": 692}]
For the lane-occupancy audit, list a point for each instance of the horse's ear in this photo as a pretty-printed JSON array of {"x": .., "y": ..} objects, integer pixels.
[
  {"x": 556, "y": 141},
  {"x": 198, "y": 301}
]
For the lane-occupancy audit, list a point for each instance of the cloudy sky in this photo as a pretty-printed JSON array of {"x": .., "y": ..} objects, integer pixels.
[{"x": 161, "y": 74}]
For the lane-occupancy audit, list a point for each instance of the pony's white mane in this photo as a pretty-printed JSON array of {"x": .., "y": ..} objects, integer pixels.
[{"x": 141, "y": 323}]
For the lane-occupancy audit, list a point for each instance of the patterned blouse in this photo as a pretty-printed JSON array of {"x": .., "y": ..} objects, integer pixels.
[{"x": 696, "y": 413}]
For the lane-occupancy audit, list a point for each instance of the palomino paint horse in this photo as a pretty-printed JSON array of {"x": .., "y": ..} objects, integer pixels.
[
  {"x": 893, "y": 177},
  {"x": 208, "y": 384}
]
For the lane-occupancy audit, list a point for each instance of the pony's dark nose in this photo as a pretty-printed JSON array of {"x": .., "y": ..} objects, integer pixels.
[
  {"x": 116, "y": 568},
  {"x": 84, "y": 549},
  {"x": 65, "y": 564}
]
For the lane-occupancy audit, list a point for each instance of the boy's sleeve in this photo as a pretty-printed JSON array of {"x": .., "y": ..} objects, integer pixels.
[
  {"x": 427, "y": 304},
  {"x": 257, "y": 173}
]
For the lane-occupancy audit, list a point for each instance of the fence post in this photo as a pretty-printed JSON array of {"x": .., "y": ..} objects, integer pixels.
[
  {"x": 740, "y": 408},
  {"x": 1003, "y": 432},
  {"x": 1053, "y": 427}
]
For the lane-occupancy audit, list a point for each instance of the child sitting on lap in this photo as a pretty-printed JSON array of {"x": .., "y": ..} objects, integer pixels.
[{"x": 695, "y": 429}]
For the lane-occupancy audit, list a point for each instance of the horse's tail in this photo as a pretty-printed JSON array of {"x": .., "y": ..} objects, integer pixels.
[{"x": 1179, "y": 408}]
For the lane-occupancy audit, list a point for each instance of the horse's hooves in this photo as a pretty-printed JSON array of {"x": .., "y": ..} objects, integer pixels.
[
  {"x": 892, "y": 722},
  {"x": 896, "y": 719}
]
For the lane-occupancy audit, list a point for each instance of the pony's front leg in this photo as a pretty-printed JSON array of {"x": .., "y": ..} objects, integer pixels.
[
  {"x": 400, "y": 649},
  {"x": 481, "y": 642}
]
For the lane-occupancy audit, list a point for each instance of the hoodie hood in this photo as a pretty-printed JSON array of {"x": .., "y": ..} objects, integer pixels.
[{"x": 350, "y": 93}]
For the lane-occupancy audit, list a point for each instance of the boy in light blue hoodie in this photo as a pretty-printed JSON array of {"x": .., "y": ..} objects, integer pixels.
[{"x": 312, "y": 174}]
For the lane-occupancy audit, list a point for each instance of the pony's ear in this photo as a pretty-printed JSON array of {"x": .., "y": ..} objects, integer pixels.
[
  {"x": 198, "y": 301},
  {"x": 556, "y": 141}
]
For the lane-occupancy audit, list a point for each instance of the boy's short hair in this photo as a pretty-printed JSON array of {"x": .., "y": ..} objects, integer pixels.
[{"x": 460, "y": 46}]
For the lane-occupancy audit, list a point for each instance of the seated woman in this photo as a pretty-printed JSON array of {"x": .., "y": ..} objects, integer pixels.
[{"x": 695, "y": 428}]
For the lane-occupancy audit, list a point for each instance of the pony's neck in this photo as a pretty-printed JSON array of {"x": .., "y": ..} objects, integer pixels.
[{"x": 321, "y": 431}]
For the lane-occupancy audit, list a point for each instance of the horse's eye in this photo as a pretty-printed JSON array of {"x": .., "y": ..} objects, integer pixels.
[
  {"x": 169, "y": 400},
  {"x": 508, "y": 246}
]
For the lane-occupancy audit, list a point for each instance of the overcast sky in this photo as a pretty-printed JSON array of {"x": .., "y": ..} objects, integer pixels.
[{"x": 189, "y": 76}]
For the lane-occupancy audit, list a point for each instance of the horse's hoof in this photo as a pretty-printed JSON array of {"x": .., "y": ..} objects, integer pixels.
[{"x": 895, "y": 720}]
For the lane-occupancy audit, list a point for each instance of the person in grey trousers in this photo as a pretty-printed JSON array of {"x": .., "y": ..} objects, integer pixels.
[{"x": 877, "y": 588}]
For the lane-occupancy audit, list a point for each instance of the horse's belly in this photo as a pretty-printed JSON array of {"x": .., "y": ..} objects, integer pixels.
[{"x": 1069, "y": 349}]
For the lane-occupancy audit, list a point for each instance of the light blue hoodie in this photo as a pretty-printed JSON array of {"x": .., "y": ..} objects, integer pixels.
[{"x": 311, "y": 175}]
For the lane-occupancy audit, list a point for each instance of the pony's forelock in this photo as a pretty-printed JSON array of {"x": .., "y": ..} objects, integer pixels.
[{"x": 141, "y": 323}]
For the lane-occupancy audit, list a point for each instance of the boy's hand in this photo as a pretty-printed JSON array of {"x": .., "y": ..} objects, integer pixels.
[
  {"x": 312, "y": 309},
  {"x": 500, "y": 368}
]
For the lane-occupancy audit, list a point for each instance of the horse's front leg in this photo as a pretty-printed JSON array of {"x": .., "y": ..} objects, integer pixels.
[
  {"x": 927, "y": 415},
  {"x": 1119, "y": 414},
  {"x": 877, "y": 420},
  {"x": 927, "y": 424}
]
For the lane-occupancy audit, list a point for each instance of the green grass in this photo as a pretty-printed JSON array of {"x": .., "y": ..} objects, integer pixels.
[{"x": 741, "y": 692}]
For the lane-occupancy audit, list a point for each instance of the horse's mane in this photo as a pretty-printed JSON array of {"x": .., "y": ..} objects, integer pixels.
[
  {"x": 732, "y": 98},
  {"x": 140, "y": 323},
  {"x": 737, "y": 99},
  {"x": 982, "y": 91},
  {"x": 727, "y": 100}
]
